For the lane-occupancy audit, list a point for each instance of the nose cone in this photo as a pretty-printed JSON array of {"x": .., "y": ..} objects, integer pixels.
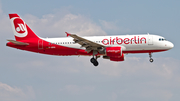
[{"x": 170, "y": 45}]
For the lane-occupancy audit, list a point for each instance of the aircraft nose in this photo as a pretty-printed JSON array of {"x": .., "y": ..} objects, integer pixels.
[{"x": 170, "y": 45}]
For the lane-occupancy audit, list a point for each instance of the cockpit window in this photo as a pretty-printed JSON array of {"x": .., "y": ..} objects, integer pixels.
[{"x": 162, "y": 39}]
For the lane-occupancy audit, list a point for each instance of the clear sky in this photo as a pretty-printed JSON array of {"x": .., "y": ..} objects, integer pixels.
[{"x": 26, "y": 76}]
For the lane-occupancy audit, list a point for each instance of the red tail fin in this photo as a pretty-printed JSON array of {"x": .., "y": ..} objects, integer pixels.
[{"x": 21, "y": 29}]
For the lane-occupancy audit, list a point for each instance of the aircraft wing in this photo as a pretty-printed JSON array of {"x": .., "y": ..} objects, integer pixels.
[{"x": 89, "y": 45}]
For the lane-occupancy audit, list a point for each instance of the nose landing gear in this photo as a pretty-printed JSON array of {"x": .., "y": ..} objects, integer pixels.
[{"x": 151, "y": 60}]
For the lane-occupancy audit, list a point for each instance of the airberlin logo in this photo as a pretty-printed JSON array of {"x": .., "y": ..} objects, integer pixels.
[
  {"x": 113, "y": 51},
  {"x": 119, "y": 41},
  {"x": 20, "y": 27}
]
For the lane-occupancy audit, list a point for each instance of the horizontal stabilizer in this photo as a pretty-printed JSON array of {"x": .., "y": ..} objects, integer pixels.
[{"x": 18, "y": 43}]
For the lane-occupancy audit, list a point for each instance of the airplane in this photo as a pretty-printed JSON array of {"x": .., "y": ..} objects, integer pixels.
[{"x": 109, "y": 47}]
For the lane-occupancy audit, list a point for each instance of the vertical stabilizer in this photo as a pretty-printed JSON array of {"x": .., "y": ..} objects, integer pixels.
[{"x": 21, "y": 29}]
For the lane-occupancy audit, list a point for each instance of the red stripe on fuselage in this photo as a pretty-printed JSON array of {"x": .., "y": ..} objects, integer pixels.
[
  {"x": 143, "y": 51},
  {"x": 49, "y": 48}
]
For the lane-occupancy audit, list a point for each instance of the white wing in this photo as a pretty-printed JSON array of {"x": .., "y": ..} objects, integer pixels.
[{"x": 89, "y": 45}]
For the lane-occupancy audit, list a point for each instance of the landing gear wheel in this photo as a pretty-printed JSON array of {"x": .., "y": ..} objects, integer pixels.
[
  {"x": 94, "y": 62},
  {"x": 151, "y": 60}
]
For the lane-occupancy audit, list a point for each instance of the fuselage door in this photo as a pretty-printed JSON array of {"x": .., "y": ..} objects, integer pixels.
[
  {"x": 150, "y": 39},
  {"x": 40, "y": 44}
]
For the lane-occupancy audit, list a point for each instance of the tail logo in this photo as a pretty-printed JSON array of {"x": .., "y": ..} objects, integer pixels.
[{"x": 20, "y": 27}]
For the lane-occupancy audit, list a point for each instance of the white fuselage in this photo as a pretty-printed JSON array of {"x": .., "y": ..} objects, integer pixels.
[{"x": 127, "y": 42}]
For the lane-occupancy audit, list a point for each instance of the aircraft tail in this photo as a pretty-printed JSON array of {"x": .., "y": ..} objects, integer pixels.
[{"x": 21, "y": 29}]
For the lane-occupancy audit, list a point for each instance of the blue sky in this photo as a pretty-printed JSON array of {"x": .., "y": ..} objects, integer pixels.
[{"x": 26, "y": 76}]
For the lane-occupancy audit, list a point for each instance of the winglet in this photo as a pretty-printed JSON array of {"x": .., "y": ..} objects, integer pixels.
[{"x": 67, "y": 34}]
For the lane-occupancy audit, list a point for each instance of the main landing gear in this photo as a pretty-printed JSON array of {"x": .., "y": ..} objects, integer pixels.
[
  {"x": 94, "y": 60},
  {"x": 151, "y": 60}
]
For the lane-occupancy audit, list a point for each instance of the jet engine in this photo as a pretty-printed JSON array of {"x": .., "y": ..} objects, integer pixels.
[
  {"x": 113, "y": 51},
  {"x": 114, "y": 54}
]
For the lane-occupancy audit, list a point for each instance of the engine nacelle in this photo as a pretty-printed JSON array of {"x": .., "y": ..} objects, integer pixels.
[
  {"x": 113, "y": 51},
  {"x": 114, "y": 54},
  {"x": 119, "y": 58}
]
